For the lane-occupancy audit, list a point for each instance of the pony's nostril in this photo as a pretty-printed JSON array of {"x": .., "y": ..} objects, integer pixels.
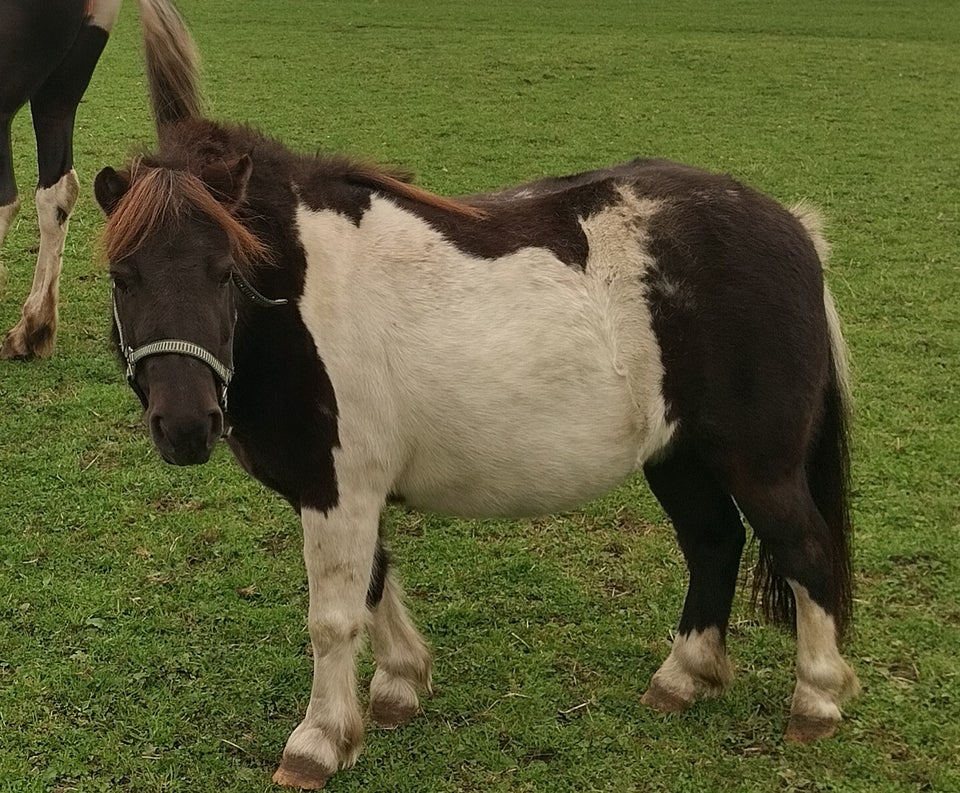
[
  {"x": 156, "y": 428},
  {"x": 216, "y": 424}
]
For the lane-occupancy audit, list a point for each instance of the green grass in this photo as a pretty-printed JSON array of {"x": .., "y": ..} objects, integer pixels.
[{"x": 130, "y": 662}]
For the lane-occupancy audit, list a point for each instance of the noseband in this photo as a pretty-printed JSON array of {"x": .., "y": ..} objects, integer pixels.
[{"x": 223, "y": 372}]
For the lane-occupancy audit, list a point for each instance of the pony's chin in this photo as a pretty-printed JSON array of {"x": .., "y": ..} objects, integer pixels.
[{"x": 184, "y": 457}]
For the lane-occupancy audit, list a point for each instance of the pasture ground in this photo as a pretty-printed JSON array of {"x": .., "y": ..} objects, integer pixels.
[{"x": 152, "y": 619}]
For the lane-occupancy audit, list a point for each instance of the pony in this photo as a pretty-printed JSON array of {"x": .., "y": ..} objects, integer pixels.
[
  {"x": 48, "y": 51},
  {"x": 356, "y": 339}
]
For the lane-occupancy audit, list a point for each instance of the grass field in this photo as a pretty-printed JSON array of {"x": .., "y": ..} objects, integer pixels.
[{"x": 152, "y": 619}]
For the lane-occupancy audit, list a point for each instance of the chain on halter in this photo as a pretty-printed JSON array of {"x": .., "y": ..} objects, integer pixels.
[{"x": 223, "y": 372}]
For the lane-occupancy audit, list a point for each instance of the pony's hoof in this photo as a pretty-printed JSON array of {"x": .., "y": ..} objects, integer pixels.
[
  {"x": 393, "y": 698},
  {"x": 663, "y": 700},
  {"x": 20, "y": 345},
  {"x": 806, "y": 729},
  {"x": 10, "y": 350},
  {"x": 301, "y": 773},
  {"x": 389, "y": 714}
]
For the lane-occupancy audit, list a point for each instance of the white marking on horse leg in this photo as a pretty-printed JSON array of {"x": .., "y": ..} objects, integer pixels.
[
  {"x": 697, "y": 667},
  {"x": 103, "y": 13},
  {"x": 7, "y": 213},
  {"x": 824, "y": 679},
  {"x": 403, "y": 660},
  {"x": 34, "y": 335},
  {"x": 338, "y": 549}
]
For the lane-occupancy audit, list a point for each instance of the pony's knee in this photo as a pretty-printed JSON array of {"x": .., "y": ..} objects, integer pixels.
[
  {"x": 333, "y": 631},
  {"x": 55, "y": 204}
]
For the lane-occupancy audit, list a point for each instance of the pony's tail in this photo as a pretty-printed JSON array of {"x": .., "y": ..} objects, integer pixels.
[
  {"x": 172, "y": 63},
  {"x": 828, "y": 472}
]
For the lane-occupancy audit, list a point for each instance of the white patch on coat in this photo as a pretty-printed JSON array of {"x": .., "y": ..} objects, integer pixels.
[
  {"x": 103, "y": 13},
  {"x": 480, "y": 387},
  {"x": 697, "y": 667},
  {"x": 7, "y": 213},
  {"x": 618, "y": 258},
  {"x": 824, "y": 679}
]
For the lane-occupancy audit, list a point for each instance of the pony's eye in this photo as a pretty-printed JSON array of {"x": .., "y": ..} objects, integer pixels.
[
  {"x": 225, "y": 278},
  {"x": 121, "y": 284}
]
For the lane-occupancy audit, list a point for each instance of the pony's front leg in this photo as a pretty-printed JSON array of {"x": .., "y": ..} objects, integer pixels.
[
  {"x": 338, "y": 548},
  {"x": 402, "y": 656}
]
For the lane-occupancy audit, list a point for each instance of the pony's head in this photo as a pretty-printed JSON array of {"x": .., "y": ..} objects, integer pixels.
[{"x": 174, "y": 247}]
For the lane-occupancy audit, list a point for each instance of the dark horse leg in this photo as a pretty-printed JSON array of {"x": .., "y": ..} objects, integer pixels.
[
  {"x": 711, "y": 536},
  {"x": 8, "y": 185},
  {"x": 797, "y": 544},
  {"x": 53, "y": 105},
  {"x": 15, "y": 90}
]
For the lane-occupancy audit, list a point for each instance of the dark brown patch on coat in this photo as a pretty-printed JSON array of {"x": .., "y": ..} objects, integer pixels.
[
  {"x": 542, "y": 214},
  {"x": 729, "y": 265}
]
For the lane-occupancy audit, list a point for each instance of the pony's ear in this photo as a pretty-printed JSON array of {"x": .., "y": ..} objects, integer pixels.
[
  {"x": 109, "y": 187},
  {"x": 227, "y": 180}
]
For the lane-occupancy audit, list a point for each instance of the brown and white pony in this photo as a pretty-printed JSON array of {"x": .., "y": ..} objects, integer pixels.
[
  {"x": 357, "y": 338},
  {"x": 48, "y": 51}
]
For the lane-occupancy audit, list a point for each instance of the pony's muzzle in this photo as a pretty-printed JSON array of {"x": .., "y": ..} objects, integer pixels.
[
  {"x": 186, "y": 439},
  {"x": 183, "y": 410}
]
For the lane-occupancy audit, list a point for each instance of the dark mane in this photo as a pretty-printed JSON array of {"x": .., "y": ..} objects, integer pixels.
[
  {"x": 397, "y": 183},
  {"x": 194, "y": 142},
  {"x": 164, "y": 187}
]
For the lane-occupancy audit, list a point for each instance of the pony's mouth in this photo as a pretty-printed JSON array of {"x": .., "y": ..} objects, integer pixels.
[
  {"x": 181, "y": 457},
  {"x": 186, "y": 442}
]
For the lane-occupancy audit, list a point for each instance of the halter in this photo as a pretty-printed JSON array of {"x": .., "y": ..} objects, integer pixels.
[{"x": 223, "y": 371}]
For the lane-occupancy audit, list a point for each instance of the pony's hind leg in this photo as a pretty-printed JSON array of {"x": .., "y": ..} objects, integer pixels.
[
  {"x": 711, "y": 536},
  {"x": 799, "y": 550},
  {"x": 402, "y": 658}
]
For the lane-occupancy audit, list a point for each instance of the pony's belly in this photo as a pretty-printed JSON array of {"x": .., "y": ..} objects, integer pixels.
[{"x": 538, "y": 464}]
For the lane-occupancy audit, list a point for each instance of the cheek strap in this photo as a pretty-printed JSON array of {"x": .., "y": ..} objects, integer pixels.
[{"x": 133, "y": 356}]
